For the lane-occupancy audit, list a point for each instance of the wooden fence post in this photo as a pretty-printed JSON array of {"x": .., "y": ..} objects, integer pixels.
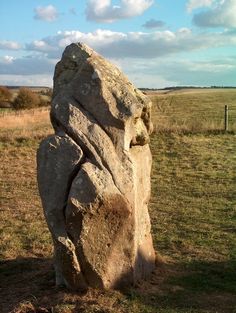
[{"x": 226, "y": 118}]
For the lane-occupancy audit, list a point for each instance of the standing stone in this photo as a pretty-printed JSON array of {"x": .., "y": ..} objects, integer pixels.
[{"x": 94, "y": 174}]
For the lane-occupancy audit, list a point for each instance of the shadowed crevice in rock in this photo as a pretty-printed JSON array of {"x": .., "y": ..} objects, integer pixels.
[{"x": 95, "y": 181}]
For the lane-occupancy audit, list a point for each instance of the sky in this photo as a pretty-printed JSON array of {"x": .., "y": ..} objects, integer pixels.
[{"x": 156, "y": 43}]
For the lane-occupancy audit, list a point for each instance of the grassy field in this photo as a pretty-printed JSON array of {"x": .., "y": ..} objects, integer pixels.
[
  {"x": 191, "y": 110},
  {"x": 193, "y": 213}
]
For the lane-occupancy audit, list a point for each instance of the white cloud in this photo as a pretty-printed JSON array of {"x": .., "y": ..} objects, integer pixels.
[
  {"x": 144, "y": 73},
  {"x": 41, "y": 46},
  {"x": 53, "y": 45},
  {"x": 104, "y": 11},
  {"x": 143, "y": 56},
  {"x": 162, "y": 43},
  {"x": 6, "y": 59},
  {"x": 210, "y": 66},
  {"x": 48, "y": 13},
  {"x": 153, "y": 73},
  {"x": 26, "y": 65},
  {"x": 153, "y": 23},
  {"x": 170, "y": 71},
  {"x": 9, "y": 45},
  {"x": 196, "y": 4},
  {"x": 223, "y": 14},
  {"x": 199, "y": 73},
  {"x": 97, "y": 38},
  {"x": 134, "y": 44},
  {"x": 154, "y": 80},
  {"x": 26, "y": 80}
]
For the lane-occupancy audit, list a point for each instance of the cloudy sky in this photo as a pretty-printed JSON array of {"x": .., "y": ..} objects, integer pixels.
[{"x": 157, "y": 43}]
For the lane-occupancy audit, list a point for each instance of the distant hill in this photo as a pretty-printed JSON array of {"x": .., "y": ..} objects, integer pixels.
[
  {"x": 186, "y": 87},
  {"x": 30, "y": 87}
]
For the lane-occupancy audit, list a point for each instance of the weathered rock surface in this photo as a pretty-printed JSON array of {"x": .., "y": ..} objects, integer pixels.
[{"x": 94, "y": 174}]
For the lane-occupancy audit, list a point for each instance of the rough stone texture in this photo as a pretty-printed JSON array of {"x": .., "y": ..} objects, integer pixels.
[{"x": 94, "y": 174}]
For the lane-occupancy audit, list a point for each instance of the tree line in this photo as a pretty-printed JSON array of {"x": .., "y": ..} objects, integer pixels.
[{"x": 25, "y": 98}]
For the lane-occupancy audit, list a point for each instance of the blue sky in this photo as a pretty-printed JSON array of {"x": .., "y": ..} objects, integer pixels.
[{"x": 156, "y": 43}]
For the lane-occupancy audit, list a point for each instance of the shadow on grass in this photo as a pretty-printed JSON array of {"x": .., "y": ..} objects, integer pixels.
[
  {"x": 24, "y": 279},
  {"x": 195, "y": 287}
]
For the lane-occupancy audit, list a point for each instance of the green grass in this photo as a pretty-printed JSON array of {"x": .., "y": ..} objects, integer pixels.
[
  {"x": 193, "y": 214},
  {"x": 197, "y": 172}
]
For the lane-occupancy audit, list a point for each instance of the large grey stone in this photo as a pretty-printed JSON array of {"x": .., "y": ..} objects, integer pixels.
[{"x": 95, "y": 180}]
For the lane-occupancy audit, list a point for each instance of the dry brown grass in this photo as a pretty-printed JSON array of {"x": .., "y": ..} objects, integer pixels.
[
  {"x": 24, "y": 119},
  {"x": 26, "y": 124}
]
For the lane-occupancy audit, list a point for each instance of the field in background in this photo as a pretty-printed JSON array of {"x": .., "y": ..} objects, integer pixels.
[
  {"x": 194, "y": 110},
  {"x": 193, "y": 213}
]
